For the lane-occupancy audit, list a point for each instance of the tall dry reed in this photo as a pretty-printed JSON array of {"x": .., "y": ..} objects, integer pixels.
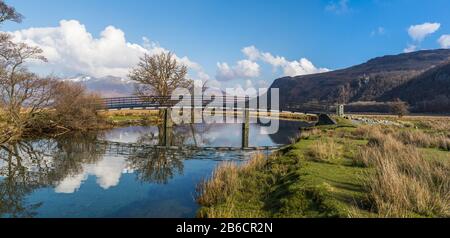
[{"x": 404, "y": 184}]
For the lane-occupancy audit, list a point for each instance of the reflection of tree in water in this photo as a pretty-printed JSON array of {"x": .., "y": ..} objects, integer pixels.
[
  {"x": 23, "y": 169},
  {"x": 30, "y": 165},
  {"x": 153, "y": 165},
  {"x": 159, "y": 165},
  {"x": 73, "y": 152},
  {"x": 27, "y": 166}
]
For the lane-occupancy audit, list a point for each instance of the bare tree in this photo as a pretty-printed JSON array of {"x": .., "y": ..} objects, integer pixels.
[
  {"x": 74, "y": 107},
  {"x": 344, "y": 94},
  {"x": 399, "y": 108},
  {"x": 22, "y": 93},
  {"x": 8, "y": 13},
  {"x": 159, "y": 75}
]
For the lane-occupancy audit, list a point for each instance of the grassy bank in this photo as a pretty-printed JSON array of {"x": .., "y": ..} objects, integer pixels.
[
  {"x": 131, "y": 117},
  {"x": 339, "y": 171},
  {"x": 44, "y": 124}
]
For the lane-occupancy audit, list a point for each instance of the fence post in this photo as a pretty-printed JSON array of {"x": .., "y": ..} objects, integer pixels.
[{"x": 246, "y": 124}]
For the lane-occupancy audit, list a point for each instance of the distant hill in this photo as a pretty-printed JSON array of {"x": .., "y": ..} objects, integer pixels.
[
  {"x": 378, "y": 79},
  {"x": 106, "y": 86}
]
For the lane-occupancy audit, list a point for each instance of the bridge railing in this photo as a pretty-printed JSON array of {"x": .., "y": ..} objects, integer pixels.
[
  {"x": 160, "y": 102},
  {"x": 232, "y": 102}
]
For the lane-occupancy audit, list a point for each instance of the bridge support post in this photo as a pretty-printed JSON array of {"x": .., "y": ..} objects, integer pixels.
[
  {"x": 168, "y": 125},
  {"x": 245, "y": 127}
]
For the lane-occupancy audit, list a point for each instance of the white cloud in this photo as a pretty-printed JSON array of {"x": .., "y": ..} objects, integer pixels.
[
  {"x": 410, "y": 48},
  {"x": 338, "y": 7},
  {"x": 290, "y": 68},
  {"x": 444, "y": 41},
  {"x": 71, "y": 49},
  {"x": 244, "y": 69},
  {"x": 251, "y": 52},
  {"x": 107, "y": 171},
  {"x": 419, "y": 32},
  {"x": 247, "y": 69}
]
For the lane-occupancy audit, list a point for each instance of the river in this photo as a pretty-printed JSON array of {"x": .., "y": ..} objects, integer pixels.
[{"x": 118, "y": 173}]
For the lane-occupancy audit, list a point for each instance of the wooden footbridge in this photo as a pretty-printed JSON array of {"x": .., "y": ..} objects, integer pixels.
[{"x": 243, "y": 105}]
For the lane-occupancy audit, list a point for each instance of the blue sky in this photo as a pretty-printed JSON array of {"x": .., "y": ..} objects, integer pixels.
[{"x": 330, "y": 34}]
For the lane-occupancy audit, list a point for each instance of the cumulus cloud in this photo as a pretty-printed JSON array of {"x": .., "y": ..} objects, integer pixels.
[
  {"x": 107, "y": 171},
  {"x": 244, "y": 69},
  {"x": 338, "y": 7},
  {"x": 71, "y": 49},
  {"x": 289, "y": 68},
  {"x": 444, "y": 41},
  {"x": 419, "y": 32}
]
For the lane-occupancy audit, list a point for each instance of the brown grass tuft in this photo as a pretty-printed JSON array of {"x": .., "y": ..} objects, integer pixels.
[
  {"x": 424, "y": 140},
  {"x": 405, "y": 184},
  {"x": 326, "y": 150},
  {"x": 224, "y": 180}
]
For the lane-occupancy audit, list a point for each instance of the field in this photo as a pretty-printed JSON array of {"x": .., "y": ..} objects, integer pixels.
[{"x": 341, "y": 171}]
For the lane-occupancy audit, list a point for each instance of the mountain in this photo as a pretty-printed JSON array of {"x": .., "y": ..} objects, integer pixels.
[
  {"x": 428, "y": 92},
  {"x": 370, "y": 81},
  {"x": 106, "y": 86}
]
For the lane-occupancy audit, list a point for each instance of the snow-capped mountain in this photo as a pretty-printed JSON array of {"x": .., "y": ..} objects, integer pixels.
[{"x": 109, "y": 86}]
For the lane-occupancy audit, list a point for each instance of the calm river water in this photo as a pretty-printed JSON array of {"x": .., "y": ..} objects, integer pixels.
[{"x": 79, "y": 176}]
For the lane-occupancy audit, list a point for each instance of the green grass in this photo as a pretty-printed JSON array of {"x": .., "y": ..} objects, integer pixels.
[
  {"x": 132, "y": 119},
  {"x": 327, "y": 189},
  {"x": 437, "y": 154},
  {"x": 320, "y": 175},
  {"x": 294, "y": 185}
]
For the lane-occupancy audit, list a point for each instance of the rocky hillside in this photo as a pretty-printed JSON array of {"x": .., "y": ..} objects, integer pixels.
[
  {"x": 378, "y": 79},
  {"x": 428, "y": 92}
]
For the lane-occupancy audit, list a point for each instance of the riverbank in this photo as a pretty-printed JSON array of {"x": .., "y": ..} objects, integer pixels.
[
  {"x": 105, "y": 120},
  {"x": 346, "y": 170},
  {"x": 146, "y": 117}
]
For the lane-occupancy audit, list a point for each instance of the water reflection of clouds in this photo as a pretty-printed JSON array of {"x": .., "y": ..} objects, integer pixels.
[{"x": 108, "y": 172}]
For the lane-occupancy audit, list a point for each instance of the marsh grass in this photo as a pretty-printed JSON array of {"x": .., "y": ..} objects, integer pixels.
[
  {"x": 421, "y": 139},
  {"x": 414, "y": 137},
  {"x": 225, "y": 181},
  {"x": 325, "y": 150},
  {"x": 404, "y": 183}
]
